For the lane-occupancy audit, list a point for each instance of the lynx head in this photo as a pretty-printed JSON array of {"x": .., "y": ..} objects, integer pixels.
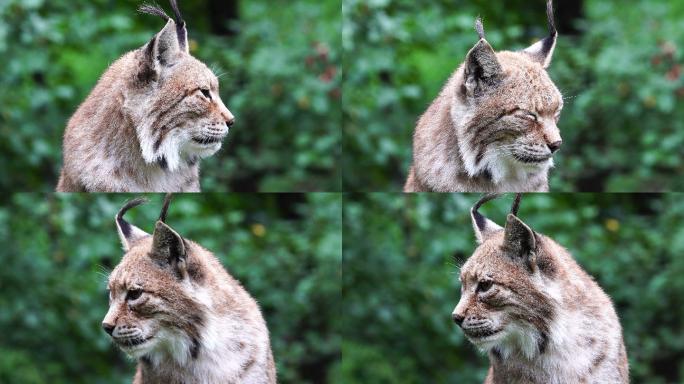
[
  {"x": 505, "y": 307},
  {"x": 506, "y": 108},
  {"x": 156, "y": 309},
  {"x": 173, "y": 99}
]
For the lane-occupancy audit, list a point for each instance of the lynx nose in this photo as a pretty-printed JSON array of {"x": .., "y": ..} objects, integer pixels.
[
  {"x": 458, "y": 319},
  {"x": 554, "y": 147},
  {"x": 109, "y": 328},
  {"x": 230, "y": 122}
]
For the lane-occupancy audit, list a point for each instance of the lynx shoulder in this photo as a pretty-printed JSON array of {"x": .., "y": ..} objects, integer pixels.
[
  {"x": 493, "y": 126},
  {"x": 540, "y": 317},
  {"x": 175, "y": 309},
  {"x": 151, "y": 117}
]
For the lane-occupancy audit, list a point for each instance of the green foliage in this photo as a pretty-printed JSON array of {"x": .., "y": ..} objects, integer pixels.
[
  {"x": 280, "y": 78},
  {"x": 58, "y": 249},
  {"x": 400, "y": 284},
  {"x": 623, "y": 124}
]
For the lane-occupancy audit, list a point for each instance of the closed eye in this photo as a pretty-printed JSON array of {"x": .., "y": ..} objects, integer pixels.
[{"x": 527, "y": 115}]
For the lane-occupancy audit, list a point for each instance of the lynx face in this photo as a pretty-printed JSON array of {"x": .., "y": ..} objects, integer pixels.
[
  {"x": 501, "y": 305},
  {"x": 504, "y": 304},
  {"x": 513, "y": 124},
  {"x": 536, "y": 313},
  {"x": 157, "y": 301},
  {"x": 493, "y": 126},
  {"x": 175, "y": 103},
  {"x": 174, "y": 308},
  {"x": 150, "y": 310},
  {"x": 506, "y": 109}
]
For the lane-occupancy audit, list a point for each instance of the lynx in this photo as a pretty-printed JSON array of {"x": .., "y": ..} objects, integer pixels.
[
  {"x": 531, "y": 307},
  {"x": 149, "y": 120},
  {"x": 493, "y": 126},
  {"x": 175, "y": 309}
]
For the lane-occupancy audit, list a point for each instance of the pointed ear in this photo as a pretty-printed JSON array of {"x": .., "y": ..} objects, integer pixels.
[
  {"x": 181, "y": 30},
  {"x": 520, "y": 242},
  {"x": 167, "y": 46},
  {"x": 482, "y": 226},
  {"x": 482, "y": 69},
  {"x": 162, "y": 51},
  {"x": 542, "y": 51},
  {"x": 168, "y": 248},
  {"x": 129, "y": 233}
]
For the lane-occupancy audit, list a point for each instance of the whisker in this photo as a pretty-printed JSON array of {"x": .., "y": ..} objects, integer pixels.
[{"x": 103, "y": 272}]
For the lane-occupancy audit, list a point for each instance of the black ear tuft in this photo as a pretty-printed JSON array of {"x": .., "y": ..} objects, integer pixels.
[
  {"x": 165, "y": 47},
  {"x": 542, "y": 51},
  {"x": 550, "y": 18},
  {"x": 482, "y": 226},
  {"x": 154, "y": 10},
  {"x": 482, "y": 69},
  {"x": 479, "y": 28},
  {"x": 129, "y": 233},
  {"x": 516, "y": 204},
  {"x": 181, "y": 30},
  {"x": 165, "y": 207}
]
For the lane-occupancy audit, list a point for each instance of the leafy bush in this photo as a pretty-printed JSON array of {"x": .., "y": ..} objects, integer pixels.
[
  {"x": 58, "y": 249},
  {"x": 623, "y": 124},
  {"x": 281, "y": 79},
  {"x": 400, "y": 282}
]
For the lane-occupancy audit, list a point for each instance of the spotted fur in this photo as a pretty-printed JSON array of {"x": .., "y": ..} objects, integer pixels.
[
  {"x": 175, "y": 309},
  {"x": 493, "y": 126},
  {"x": 537, "y": 314},
  {"x": 154, "y": 113}
]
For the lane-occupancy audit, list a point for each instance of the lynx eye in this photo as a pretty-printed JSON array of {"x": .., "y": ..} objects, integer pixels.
[
  {"x": 133, "y": 294},
  {"x": 484, "y": 286},
  {"x": 206, "y": 93},
  {"x": 527, "y": 115}
]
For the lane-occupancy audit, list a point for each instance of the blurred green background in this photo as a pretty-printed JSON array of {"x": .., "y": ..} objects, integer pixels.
[
  {"x": 400, "y": 281},
  {"x": 618, "y": 65},
  {"x": 282, "y": 80},
  {"x": 58, "y": 249}
]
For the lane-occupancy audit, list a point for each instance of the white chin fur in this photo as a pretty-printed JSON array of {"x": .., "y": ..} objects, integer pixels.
[
  {"x": 202, "y": 150},
  {"x": 176, "y": 147},
  {"x": 170, "y": 344},
  {"x": 141, "y": 350},
  {"x": 513, "y": 339},
  {"x": 487, "y": 343},
  {"x": 503, "y": 167}
]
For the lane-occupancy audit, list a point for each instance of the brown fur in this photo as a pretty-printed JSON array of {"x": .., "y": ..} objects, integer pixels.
[
  {"x": 539, "y": 316},
  {"x": 137, "y": 130},
  {"x": 199, "y": 324},
  {"x": 492, "y": 128}
]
